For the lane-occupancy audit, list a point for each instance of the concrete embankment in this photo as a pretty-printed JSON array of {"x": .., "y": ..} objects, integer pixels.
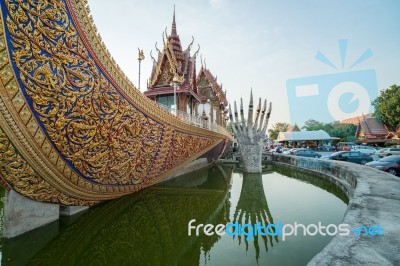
[{"x": 374, "y": 201}]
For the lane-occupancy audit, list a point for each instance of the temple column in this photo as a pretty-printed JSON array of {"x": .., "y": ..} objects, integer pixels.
[
  {"x": 205, "y": 119},
  {"x": 195, "y": 108},
  {"x": 218, "y": 116},
  {"x": 211, "y": 112}
]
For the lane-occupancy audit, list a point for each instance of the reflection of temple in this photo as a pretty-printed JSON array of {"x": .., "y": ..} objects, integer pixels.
[
  {"x": 174, "y": 71},
  {"x": 253, "y": 208},
  {"x": 147, "y": 228}
]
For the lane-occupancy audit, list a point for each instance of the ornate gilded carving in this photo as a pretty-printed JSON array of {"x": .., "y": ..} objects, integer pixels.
[
  {"x": 22, "y": 177},
  {"x": 166, "y": 76},
  {"x": 99, "y": 139},
  {"x": 208, "y": 87}
]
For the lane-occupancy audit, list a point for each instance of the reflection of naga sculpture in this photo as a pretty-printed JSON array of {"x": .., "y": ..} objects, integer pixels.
[
  {"x": 73, "y": 129},
  {"x": 252, "y": 208},
  {"x": 251, "y": 133}
]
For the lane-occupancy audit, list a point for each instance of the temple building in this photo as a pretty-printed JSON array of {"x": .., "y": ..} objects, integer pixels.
[
  {"x": 174, "y": 71},
  {"x": 173, "y": 79},
  {"x": 213, "y": 101},
  {"x": 371, "y": 131}
]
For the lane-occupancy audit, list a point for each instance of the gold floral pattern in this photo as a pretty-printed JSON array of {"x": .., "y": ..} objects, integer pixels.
[{"x": 23, "y": 178}]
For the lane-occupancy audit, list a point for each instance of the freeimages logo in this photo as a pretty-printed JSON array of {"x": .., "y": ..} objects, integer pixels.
[
  {"x": 333, "y": 96},
  {"x": 281, "y": 229}
]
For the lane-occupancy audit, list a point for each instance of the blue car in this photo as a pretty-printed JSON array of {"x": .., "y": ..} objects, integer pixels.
[
  {"x": 390, "y": 164},
  {"x": 305, "y": 153},
  {"x": 351, "y": 156}
]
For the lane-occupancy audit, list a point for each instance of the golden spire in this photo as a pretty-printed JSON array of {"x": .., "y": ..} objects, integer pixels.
[{"x": 173, "y": 30}]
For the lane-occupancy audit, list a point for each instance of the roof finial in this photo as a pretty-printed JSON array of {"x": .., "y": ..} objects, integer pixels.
[
  {"x": 197, "y": 52},
  {"x": 174, "y": 15},
  {"x": 190, "y": 45},
  {"x": 159, "y": 52},
  {"x": 173, "y": 30},
  {"x": 251, "y": 97}
]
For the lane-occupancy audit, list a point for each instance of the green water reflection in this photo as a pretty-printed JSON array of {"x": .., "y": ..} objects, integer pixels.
[{"x": 151, "y": 227}]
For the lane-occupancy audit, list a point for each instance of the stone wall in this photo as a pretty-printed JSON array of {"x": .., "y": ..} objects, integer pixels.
[{"x": 374, "y": 200}]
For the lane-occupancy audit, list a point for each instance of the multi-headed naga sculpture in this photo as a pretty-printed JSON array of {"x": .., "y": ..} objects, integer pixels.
[{"x": 251, "y": 134}]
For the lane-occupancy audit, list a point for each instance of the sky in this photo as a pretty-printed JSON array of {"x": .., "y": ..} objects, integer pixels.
[{"x": 271, "y": 47}]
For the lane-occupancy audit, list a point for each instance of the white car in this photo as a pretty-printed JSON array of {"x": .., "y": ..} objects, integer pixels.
[
  {"x": 364, "y": 149},
  {"x": 388, "y": 152}
]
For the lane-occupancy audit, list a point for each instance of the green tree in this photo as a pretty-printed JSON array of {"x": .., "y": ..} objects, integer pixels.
[
  {"x": 387, "y": 106},
  {"x": 276, "y": 128},
  {"x": 344, "y": 132},
  {"x": 314, "y": 125}
]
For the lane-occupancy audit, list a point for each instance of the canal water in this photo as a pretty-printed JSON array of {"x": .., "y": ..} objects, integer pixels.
[{"x": 151, "y": 227}]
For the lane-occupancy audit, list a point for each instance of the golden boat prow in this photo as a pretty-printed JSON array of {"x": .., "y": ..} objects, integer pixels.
[{"x": 73, "y": 129}]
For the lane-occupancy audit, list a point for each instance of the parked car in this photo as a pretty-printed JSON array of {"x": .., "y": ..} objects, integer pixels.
[
  {"x": 364, "y": 149},
  {"x": 285, "y": 150},
  {"x": 276, "y": 150},
  {"x": 390, "y": 164},
  {"x": 388, "y": 152},
  {"x": 306, "y": 153},
  {"x": 378, "y": 149},
  {"x": 351, "y": 156},
  {"x": 291, "y": 151},
  {"x": 327, "y": 148}
]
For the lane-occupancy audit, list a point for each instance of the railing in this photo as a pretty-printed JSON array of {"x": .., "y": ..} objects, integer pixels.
[{"x": 193, "y": 120}]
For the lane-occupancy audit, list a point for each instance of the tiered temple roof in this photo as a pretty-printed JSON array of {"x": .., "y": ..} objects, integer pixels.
[
  {"x": 355, "y": 120},
  {"x": 371, "y": 128},
  {"x": 173, "y": 81},
  {"x": 173, "y": 62},
  {"x": 209, "y": 88}
]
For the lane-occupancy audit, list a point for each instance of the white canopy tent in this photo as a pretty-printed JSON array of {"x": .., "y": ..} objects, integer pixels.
[{"x": 303, "y": 136}]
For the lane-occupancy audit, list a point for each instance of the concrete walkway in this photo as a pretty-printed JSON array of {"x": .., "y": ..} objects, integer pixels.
[{"x": 374, "y": 201}]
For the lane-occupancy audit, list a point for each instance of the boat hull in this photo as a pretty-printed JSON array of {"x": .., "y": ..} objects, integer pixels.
[{"x": 73, "y": 129}]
